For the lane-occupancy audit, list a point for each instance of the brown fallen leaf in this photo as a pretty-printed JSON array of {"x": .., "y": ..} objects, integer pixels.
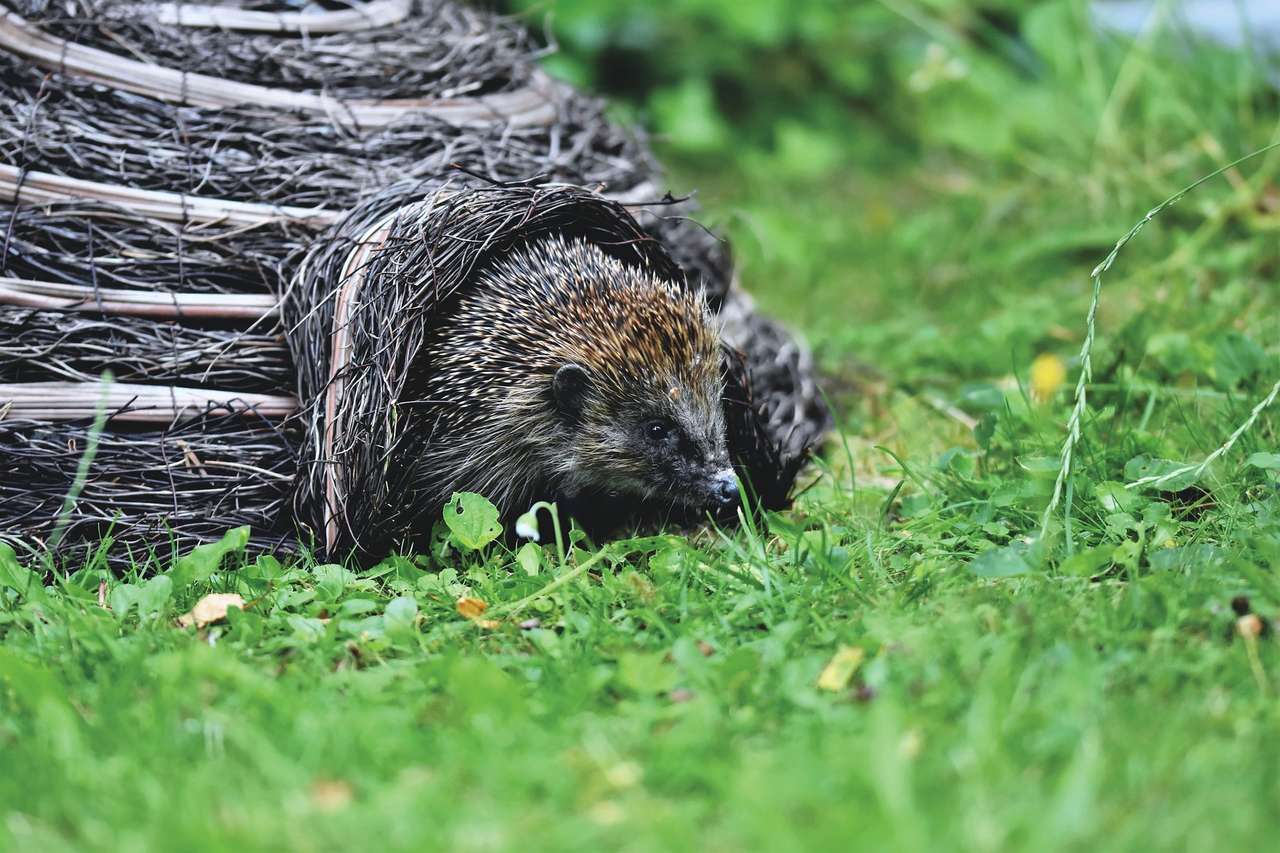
[
  {"x": 212, "y": 608},
  {"x": 472, "y": 608},
  {"x": 102, "y": 595},
  {"x": 329, "y": 795}
]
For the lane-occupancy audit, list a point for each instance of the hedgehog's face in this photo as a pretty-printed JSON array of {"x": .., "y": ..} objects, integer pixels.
[{"x": 666, "y": 444}]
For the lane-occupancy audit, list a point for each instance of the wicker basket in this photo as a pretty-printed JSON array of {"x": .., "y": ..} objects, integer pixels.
[{"x": 211, "y": 202}]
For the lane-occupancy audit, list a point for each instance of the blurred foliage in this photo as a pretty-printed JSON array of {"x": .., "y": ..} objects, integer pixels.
[
  {"x": 711, "y": 76},
  {"x": 804, "y": 87}
]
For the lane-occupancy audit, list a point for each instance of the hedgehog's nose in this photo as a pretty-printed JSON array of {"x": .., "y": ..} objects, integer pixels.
[{"x": 724, "y": 490}]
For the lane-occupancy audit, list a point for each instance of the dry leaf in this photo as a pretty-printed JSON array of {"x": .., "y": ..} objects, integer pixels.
[
  {"x": 102, "y": 595},
  {"x": 212, "y": 608},
  {"x": 1249, "y": 626},
  {"x": 488, "y": 624},
  {"x": 472, "y": 608},
  {"x": 836, "y": 674},
  {"x": 329, "y": 795}
]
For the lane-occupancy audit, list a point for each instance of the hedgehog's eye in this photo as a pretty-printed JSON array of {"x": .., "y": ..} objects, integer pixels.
[{"x": 658, "y": 430}]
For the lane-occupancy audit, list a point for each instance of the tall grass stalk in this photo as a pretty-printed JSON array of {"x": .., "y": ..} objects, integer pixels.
[
  {"x": 1086, "y": 350},
  {"x": 1196, "y": 470},
  {"x": 82, "y": 470}
]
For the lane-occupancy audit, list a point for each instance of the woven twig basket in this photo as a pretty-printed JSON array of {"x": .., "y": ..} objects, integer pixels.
[{"x": 212, "y": 202}]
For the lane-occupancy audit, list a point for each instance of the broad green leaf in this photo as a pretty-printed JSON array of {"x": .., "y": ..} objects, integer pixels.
[
  {"x": 1114, "y": 497},
  {"x": 1001, "y": 562},
  {"x": 1188, "y": 557},
  {"x": 1236, "y": 358},
  {"x": 1041, "y": 464},
  {"x": 153, "y": 595},
  {"x": 306, "y": 629},
  {"x": 122, "y": 598},
  {"x": 530, "y": 558},
  {"x": 203, "y": 560},
  {"x": 18, "y": 577},
  {"x": 331, "y": 580},
  {"x": 1087, "y": 563},
  {"x": 401, "y": 615},
  {"x": 472, "y": 520},
  {"x": 357, "y": 606},
  {"x": 268, "y": 567},
  {"x": 1266, "y": 461},
  {"x": 646, "y": 672}
]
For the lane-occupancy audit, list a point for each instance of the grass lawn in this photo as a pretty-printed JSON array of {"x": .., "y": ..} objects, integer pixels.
[{"x": 901, "y": 662}]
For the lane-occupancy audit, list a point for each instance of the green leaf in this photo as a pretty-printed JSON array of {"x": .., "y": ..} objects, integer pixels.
[
  {"x": 1087, "y": 563},
  {"x": 1041, "y": 464},
  {"x": 530, "y": 558},
  {"x": 122, "y": 599},
  {"x": 268, "y": 567},
  {"x": 472, "y": 519},
  {"x": 401, "y": 615},
  {"x": 154, "y": 595},
  {"x": 646, "y": 673},
  {"x": 331, "y": 580},
  {"x": 1187, "y": 557},
  {"x": 357, "y": 606},
  {"x": 306, "y": 630},
  {"x": 203, "y": 560},
  {"x": 1265, "y": 461},
  {"x": 1236, "y": 358},
  {"x": 18, "y": 577},
  {"x": 1001, "y": 562},
  {"x": 1114, "y": 497}
]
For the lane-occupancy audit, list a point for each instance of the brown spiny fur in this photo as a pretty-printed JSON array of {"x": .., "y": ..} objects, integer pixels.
[{"x": 649, "y": 347}]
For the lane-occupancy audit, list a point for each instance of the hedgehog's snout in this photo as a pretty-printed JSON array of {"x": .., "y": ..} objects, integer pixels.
[{"x": 724, "y": 489}]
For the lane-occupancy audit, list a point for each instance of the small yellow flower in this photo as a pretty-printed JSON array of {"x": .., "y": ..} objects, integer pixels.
[{"x": 1047, "y": 375}]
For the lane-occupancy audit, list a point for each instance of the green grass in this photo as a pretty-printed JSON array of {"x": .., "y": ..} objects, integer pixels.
[{"x": 1090, "y": 691}]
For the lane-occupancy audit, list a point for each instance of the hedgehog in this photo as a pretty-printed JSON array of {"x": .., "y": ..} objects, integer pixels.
[{"x": 564, "y": 374}]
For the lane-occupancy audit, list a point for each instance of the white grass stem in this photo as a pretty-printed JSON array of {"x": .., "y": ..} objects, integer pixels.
[
  {"x": 86, "y": 462},
  {"x": 1086, "y": 348},
  {"x": 1196, "y": 470}
]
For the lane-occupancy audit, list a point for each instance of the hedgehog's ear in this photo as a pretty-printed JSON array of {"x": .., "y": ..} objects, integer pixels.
[{"x": 569, "y": 387}]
